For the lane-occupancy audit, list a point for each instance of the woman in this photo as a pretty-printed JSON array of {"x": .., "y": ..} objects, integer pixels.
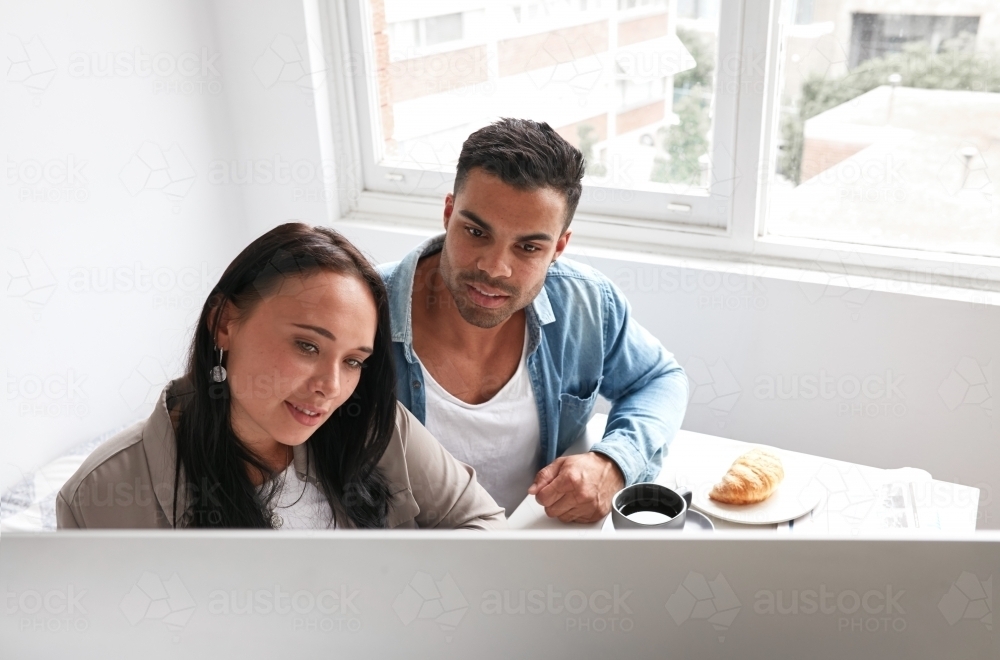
[{"x": 287, "y": 416}]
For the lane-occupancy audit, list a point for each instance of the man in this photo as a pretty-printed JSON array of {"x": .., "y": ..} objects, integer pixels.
[{"x": 502, "y": 347}]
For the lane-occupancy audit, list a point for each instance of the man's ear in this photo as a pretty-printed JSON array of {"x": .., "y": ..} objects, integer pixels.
[
  {"x": 449, "y": 208},
  {"x": 227, "y": 324},
  {"x": 561, "y": 244}
]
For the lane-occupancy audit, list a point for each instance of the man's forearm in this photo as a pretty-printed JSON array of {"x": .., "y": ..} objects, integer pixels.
[{"x": 642, "y": 423}]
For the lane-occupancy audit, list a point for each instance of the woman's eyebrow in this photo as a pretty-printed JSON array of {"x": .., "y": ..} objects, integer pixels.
[
  {"x": 318, "y": 330},
  {"x": 329, "y": 335}
]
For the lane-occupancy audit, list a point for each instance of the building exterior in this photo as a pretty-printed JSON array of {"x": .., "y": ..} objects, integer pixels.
[
  {"x": 830, "y": 37},
  {"x": 599, "y": 71},
  {"x": 901, "y": 166}
]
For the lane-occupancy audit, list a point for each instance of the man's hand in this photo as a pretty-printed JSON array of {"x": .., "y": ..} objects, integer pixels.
[{"x": 578, "y": 488}]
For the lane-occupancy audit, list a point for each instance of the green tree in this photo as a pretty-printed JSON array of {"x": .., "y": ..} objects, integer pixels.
[
  {"x": 588, "y": 138},
  {"x": 683, "y": 144},
  {"x": 702, "y": 75},
  {"x": 957, "y": 67}
]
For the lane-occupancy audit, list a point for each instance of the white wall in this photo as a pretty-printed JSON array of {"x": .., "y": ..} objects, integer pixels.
[
  {"x": 116, "y": 347},
  {"x": 85, "y": 348}
]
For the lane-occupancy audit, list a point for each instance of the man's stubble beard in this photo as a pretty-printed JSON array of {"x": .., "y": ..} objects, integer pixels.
[{"x": 472, "y": 313}]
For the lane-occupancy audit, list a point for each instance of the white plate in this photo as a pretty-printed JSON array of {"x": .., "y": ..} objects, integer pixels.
[{"x": 794, "y": 497}]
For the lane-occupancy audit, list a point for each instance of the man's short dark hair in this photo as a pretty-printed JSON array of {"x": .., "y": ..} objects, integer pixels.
[{"x": 527, "y": 155}]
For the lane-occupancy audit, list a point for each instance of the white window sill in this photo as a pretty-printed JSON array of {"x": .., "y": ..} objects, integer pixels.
[{"x": 946, "y": 277}]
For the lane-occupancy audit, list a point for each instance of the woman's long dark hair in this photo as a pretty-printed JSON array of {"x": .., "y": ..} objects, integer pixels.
[{"x": 213, "y": 464}]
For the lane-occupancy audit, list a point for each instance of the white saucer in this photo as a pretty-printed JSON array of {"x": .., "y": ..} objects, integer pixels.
[{"x": 697, "y": 522}]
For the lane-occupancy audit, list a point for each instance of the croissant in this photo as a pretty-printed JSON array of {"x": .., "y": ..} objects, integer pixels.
[{"x": 751, "y": 478}]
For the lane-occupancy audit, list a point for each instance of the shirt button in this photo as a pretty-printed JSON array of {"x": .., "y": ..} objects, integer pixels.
[{"x": 416, "y": 384}]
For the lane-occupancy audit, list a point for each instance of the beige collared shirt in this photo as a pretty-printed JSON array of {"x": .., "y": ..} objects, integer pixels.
[{"x": 128, "y": 482}]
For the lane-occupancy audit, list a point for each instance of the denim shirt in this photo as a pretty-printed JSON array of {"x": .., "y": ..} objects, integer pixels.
[{"x": 582, "y": 341}]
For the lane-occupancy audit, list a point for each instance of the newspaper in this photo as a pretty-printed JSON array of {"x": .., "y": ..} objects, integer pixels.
[{"x": 855, "y": 499}]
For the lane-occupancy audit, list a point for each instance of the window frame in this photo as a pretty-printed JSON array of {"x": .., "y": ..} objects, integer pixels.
[
  {"x": 740, "y": 238},
  {"x": 703, "y": 208}
]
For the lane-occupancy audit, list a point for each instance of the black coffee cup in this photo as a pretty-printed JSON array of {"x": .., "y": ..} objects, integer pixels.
[{"x": 663, "y": 507}]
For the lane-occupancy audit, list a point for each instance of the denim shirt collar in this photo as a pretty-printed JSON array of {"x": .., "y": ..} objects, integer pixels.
[{"x": 539, "y": 312}]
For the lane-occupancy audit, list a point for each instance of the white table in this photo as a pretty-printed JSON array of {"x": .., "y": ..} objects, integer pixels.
[{"x": 856, "y": 499}]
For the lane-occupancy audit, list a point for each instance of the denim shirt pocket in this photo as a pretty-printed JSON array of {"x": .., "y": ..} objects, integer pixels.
[{"x": 574, "y": 413}]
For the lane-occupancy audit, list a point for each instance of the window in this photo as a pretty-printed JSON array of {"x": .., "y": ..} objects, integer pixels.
[
  {"x": 797, "y": 130},
  {"x": 442, "y": 29},
  {"x": 408, "y": 36},
  {"x": 707, "y": 9},
  {"x": 803, "y": 12},
  {"x": 623, "y": 81},
  {"x": 633, "y": 93},
  {"x": 415, "y": 37},
  {"x": 636, "y": 4},
  {"x": 879, "y": 35},
  {"x": 887, "y": 130}
]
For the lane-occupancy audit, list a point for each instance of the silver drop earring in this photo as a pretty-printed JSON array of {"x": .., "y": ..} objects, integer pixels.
[{"x": 218, "y": 372}]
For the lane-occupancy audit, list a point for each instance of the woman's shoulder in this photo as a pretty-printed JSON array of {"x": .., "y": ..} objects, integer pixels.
[
  {"x": 124, "y": 459},
  {"x": 411, "y": 448},
  {"x": 393, "y": 461},
  {"x": 413, "y": 454},
  {"x": 406, "y": 424},
  {"x": 396, "y": 470},
  {"x": 410, "y": 436},
  {"x": 430, "y": 487},
  {"x": 112, "y": 457}
]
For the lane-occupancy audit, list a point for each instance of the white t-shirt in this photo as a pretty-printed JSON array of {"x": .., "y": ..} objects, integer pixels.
[
  {"x": 500, "y": 439},
  {"x": 299, "y": 504}
]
